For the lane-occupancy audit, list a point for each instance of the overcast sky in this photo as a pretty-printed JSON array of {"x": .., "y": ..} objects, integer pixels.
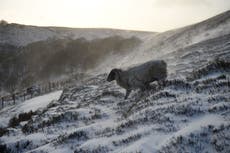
[{"x": 148, "y": 15}]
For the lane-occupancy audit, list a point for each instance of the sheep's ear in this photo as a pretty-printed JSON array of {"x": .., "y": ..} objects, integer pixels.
[{"x": 111, "y": 76}]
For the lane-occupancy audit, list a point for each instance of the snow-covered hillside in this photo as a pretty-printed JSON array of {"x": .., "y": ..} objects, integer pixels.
[
  {"x": 189, "y": 112},
  {"x": 22, "y": 35},
  {"x": 33, "y": 104},
  {"x": 176, "y": 116},
  {"x": 103, "y": 49},
  {"x": 162, "y": 45}
]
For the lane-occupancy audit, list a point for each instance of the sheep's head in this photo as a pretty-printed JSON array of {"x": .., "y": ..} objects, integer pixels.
[{"x": 113, "y": 74}]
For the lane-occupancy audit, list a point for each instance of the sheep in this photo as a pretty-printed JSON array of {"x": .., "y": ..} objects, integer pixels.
[{"x": 139, "y": 76}]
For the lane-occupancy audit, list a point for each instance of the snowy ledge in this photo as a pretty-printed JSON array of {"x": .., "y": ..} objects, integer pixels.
[{"x": 28, "y": 105}]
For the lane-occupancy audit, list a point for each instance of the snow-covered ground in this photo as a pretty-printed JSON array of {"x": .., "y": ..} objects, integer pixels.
[
  {"x": 177, "y": 116},
  {"x": 189, "y": 112},
  {"x": 33, "y": 104}
]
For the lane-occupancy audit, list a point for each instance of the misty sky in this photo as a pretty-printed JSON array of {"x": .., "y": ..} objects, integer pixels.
[{"x": 148, "y": 15}]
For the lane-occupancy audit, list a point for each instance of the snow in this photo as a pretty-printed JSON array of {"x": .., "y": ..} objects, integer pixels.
[
  {"x": 28, "y": 105},
  {"x": 153, "y": 142},
  {"x": 94, "y": 117},
  {"x": 39, "y": 102},
  {"x": 195, "y": 125},
  {"x": 149, "y": 144}
]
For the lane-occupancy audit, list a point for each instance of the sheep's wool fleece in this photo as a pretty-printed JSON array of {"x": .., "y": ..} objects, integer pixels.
[{"x": 145, "y": 73}]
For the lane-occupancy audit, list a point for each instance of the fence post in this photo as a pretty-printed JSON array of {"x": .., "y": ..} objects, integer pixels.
[
  {"x": 24, "y": 95},
  {"x": 13, "y": 97},
  {"x": 2, "y": 102},
  {"x": 49, "y": 86}
]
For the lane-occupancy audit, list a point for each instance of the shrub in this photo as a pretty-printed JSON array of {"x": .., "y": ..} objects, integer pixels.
[
  {"x": 13, "y": 122},
  {"x": 4, "y": 149},
  {"x": 27, "y": 128},
  {"x": 3, "y": 131},
  {"x": 214, "y": 66},
  {"x": 21, "y": 117}
]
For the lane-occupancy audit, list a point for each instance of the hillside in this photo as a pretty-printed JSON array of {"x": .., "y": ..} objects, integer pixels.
[
  {"x": 179, "y": 115},
  {"x": 36, "y": 55},
  {"x": 22, "y": 35},
  {"x": 164, "y": 43},
  {"x": 45, "y": 61},
  {"x": 188, "y": 112}
]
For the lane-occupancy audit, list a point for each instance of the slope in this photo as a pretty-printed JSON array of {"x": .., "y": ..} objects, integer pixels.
[
  {"x": 180, "y": 115},
  {"x": 189, "y": 112},
  {"x": 189, "y": 116},
  {"x": 161, "y": 44},
  {"x": 22, "y": 35},
  {"x": 23, "y": 48}
]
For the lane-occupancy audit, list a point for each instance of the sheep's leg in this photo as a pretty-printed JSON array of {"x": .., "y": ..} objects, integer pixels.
[
  {"x": 161, "y": 82},
  {"x": 143, "y": 88},
  {"x": 128, "y": 91},
  {"x": 146, "y": 86}
]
